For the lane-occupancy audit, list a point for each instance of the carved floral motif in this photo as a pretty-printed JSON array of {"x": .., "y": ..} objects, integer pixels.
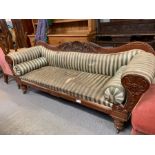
[{"x": 135, "y": 86}]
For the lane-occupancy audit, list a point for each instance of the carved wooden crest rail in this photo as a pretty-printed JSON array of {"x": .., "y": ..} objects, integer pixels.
[{"x": 89, "y": 47}]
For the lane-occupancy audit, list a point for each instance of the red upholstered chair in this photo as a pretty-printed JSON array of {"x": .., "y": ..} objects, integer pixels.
[
  {"x": 143, "y": 115},
  {"x": 6, "y": 46},
  {"x": 4, "y": 66}
]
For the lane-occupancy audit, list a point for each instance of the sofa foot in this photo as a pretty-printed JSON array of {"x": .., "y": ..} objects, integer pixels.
[
  {"x": 24, "y": 89},
  {"x": 6, "y": 78},
  {"x": 118, "y": 125},
  {"x": 18, "y": 85}
]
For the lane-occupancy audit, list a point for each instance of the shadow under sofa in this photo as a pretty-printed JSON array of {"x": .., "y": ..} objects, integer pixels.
[{"x": 108, "y": 80}]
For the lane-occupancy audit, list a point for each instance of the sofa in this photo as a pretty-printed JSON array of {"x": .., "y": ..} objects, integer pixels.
[{"x": 110, "y": 80}]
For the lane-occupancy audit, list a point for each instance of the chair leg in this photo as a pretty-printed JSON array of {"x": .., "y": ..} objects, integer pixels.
[
  {"x": 24, "y": 89},
  {"x": 18, "y": 86},
  {"x": 6, "y": 78}
]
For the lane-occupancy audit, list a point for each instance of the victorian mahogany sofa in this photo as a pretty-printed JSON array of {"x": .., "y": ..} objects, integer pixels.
[{"x": 110, "y": 80}]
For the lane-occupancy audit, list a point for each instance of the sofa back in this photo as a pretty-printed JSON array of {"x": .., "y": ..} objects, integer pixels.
[{"x": 106, "y": 64}]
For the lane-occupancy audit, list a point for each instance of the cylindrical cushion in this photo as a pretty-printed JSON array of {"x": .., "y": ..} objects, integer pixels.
[
  {"x": 25, "y": 55},
  {"x": 25, "y": 67},
  {"x": 143, "y": 115},
  {"x": 114, "y": 92}
]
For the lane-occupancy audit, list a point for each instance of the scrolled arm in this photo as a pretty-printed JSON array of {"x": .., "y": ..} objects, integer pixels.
[
  {"x": 137, "y": 78},
  {"x": 25, "y": 55},
  {"x": 143, "y": 64},
  {"x": 135, "y": 86}
]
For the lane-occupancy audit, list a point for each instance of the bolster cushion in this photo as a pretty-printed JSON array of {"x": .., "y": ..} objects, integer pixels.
[
  {"x": 114, "y": 92},
  {"x": 25, "y": 55},
  {"x": 25, "y": 67},
  {"x": 142, "y": 64}
]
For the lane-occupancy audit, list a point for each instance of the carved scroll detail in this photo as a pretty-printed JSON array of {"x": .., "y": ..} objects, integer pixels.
[
  {"x": 89, "y": 47},
  {"x": 77, "y": 46},
  {"x": 135, "y": 86}
]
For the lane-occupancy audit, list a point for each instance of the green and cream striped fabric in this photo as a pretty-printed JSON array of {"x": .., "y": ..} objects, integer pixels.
[
  {"x": 81, "y": 85},
  {"x": 106, "y": 64},
  {"x": 28, "y": 66},
  {"x": 113, "y": 90},
  {"x": 94, "y": 77},
  {"x": 142, "y": 64},
  {"x": 25, "y": 55}
]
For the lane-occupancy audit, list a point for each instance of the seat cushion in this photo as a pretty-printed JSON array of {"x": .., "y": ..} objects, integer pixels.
[
  {"x": 82, "y": 85},
  {"x": 143, "y": 115}
]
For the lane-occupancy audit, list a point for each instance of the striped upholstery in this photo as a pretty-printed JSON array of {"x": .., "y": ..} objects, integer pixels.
[
  {"x": 143, "y": 64},
  {"x": 113, "y": 90},
  {"x": 26, "y": 55},
  {"x": 106, "y": 64},
  {"x": 81, "y": 85},
  {"x": 94, "y": 77},
  {"x": 25, "y": 67}
]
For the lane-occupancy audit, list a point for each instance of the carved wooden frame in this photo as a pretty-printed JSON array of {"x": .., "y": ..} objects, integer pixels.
[{"x": 134, "y": 85}]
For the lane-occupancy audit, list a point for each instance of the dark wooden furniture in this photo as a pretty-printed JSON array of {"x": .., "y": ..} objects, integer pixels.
[
  {"x": 135, "y": 85},
  {"x": 117, "y": 32},
  {"x": 65, "y": 30},
  {"x": 6, "y": 42},
  {"x": 22, "y": 28}
]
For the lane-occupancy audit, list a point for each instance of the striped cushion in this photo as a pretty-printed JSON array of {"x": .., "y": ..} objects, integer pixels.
[
  {"x": 81, "y": 85},
  {"x": 142, "y": 64},
  {"x": 25, "y": 55},
  {"x": 25, "y": 67},
  {"x": 106, "y": 64},
  {"x": 113, "y": 90}
]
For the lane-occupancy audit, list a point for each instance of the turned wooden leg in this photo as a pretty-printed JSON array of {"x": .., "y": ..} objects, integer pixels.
[
  {"x": 18, "y": 83},
  {"x": 24, "y": 88},
  {"x": 5, "y": 78},
  {"x": 18, "y": 86},
  {"x": 118, "y": 125}
]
